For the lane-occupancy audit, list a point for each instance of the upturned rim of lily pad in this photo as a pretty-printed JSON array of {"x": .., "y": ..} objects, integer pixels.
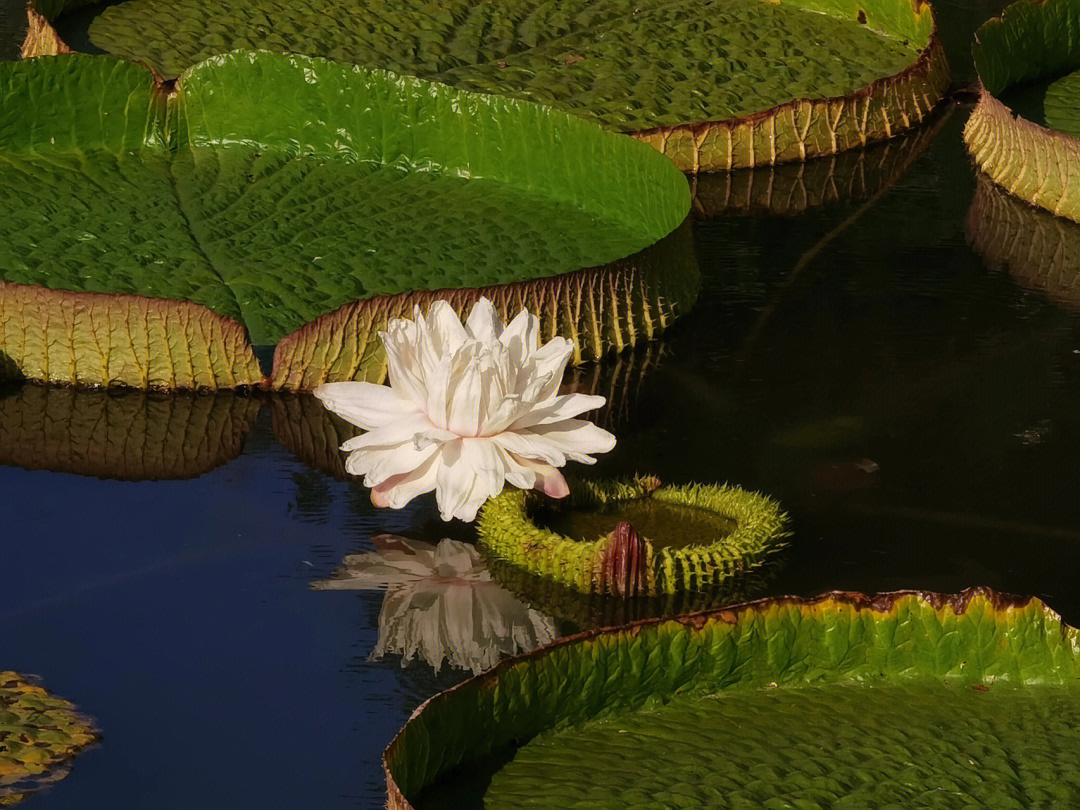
[
  {"x": 624, "y": 563},
  {"x": 1031, "y": 40},
  {"x": 794, "y": 130},
  {"x": 745, "y": 646}
]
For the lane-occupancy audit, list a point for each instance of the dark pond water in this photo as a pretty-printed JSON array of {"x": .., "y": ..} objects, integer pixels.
[
  {"x": 911, "y": 403},
  {"x": 913, "y": 409}
]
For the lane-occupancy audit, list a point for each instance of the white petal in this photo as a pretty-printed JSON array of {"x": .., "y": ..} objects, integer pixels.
[
  {"x": 484, "y": 322},
  {"x": 398, "y": 490},
  {"x": 547, "y": 366},
  {"x": 554, "y": 444},
  {"x": 522, "y": 337},
  {"x": 471, "y": 471},
  {"x": 463, "y": 415},
  {"x": 558, "y": 409},
  {"x": 444, "y": 328},
  {"x": 526, "y": 446},
  {"x": 401, "y": 431},
  {"x": 403, "y": 368},
  {"x": 380, "y": 464},
  {"x": 364, "y": 404},
  {"x": 576, "y": 438}
]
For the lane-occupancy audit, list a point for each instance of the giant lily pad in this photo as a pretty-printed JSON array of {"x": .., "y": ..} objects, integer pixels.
[
  {"x": 130, "y": 435},
  {"x": 1025, "y": 132},
  {"x": 1040, "y": 251},
  {"x": 906, "y": 699},
  {"x": 712, "y": 83},
  {"x": 140, "y": 227},
  {"x": 634, "y": 538},
  {"x": 39, "y": 735}
]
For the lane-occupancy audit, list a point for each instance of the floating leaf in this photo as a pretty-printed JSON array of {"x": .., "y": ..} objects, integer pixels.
[
  {"x": 138, "y": 228},
  {"x": 39, "y": 735},
  {"x": 839, "y": 699},
  {"x": 705, "y": 536},
  {"x": 712, "y": 83},
  {"x": 1025, "y": 131}
]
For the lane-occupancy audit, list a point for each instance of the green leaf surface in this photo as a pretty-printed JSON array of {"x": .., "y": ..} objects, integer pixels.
[
  {"x": 614, "y": 60},
  {"x": 1062, "y": 104},
  {"x": 273, "y": 189},
  {"x": 919, "y": 699},
  {"x": 630, "y": 65}
]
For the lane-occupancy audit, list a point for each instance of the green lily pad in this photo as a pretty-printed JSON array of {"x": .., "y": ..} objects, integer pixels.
[
  {"x": 905, "y": 699},
  {"x": 139, "y": 227},
  {"x": 39, "y": 736},
  {"x": 128, "y": 435},
  {"x": 1040, "y": 251},
  {"x": 1025, "y": 131},
  {"x": 713, "y": 83},
  {"x": 702, "y": 536}
]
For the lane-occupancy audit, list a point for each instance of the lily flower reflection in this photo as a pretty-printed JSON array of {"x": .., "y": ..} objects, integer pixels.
[
  {"x": 441, "y": 604},
  {"x": 470, "y": 407}
]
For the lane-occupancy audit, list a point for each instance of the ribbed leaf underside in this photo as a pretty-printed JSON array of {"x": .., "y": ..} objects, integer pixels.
[
  {"x": 601, "y": 310},
  {"x": 920, "y": 649},
  {"x": 632, "y": 65},
  {"x": 139, "y": 231},
  {"x": 1037, "y": 160}
]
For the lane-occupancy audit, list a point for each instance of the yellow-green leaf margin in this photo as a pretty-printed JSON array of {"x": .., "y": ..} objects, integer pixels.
[
  {"x": 39, "y": 736},
  {"x": 976, "y": 638},
  {"x": 507, "y": 532},
  {"x": 1032, "y": 40}
]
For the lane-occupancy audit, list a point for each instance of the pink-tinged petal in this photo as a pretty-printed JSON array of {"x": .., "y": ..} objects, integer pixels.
[
  {"x": 548, "y": 480},
  {"x": 364, "y": 404},
  {"x": 521, "y": 337},
  {"x": 558, "y": 409},
  {"x": 484, "y": 322},
  {"x": 398, "y": 490}
]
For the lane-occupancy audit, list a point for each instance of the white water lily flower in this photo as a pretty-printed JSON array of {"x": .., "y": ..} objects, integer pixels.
[
  {"x": 441, "y": 604},
  {"x": 469, "y": 407}
]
